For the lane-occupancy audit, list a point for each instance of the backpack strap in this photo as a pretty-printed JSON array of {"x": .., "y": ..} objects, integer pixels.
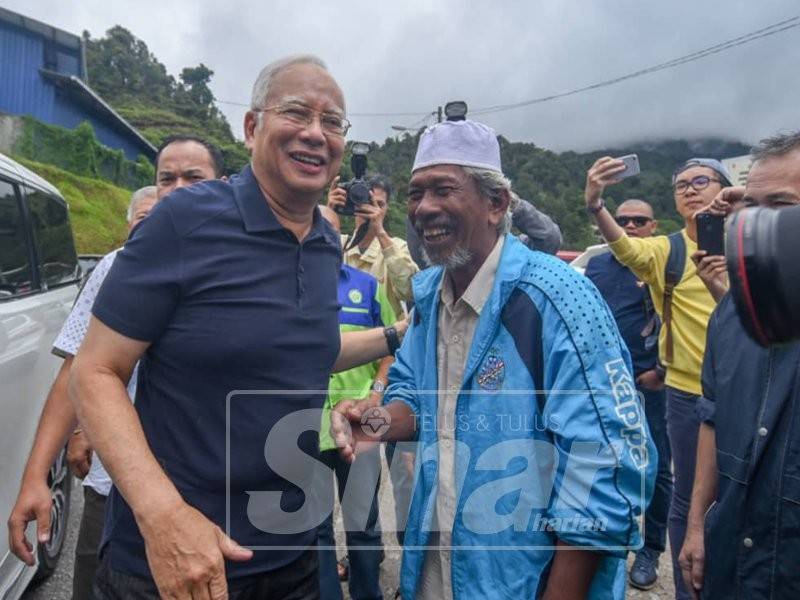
[{"x": 673, "y": 273}]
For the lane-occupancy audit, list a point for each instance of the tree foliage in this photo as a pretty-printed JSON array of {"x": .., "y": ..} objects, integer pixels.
[
  {"x": 554, "y": 182},
  {"x": 126, "y": 74}
]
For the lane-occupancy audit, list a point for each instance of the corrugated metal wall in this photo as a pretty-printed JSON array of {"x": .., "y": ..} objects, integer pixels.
[
  {"x": 23, "y": 90},
  {"x": 68, "y": 114}
]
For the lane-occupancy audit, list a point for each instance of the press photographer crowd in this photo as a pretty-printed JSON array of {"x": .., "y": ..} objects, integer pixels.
[{"x": 242, "y": 366}]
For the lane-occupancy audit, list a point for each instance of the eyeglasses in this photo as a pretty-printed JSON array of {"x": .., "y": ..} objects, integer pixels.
[
  {"x": 698, "y": 183},
  {"x": 303, "y": 116},
  {"x": 638, "y": 221}
]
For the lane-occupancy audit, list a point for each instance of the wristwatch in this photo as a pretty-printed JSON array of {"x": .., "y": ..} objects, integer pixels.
[
  {"x": 378, "y": 386},
  {"x": 593, "y": 210},
  {"x": 392, "y": 339}
]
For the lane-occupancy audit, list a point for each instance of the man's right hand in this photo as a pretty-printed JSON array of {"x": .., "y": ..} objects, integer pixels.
[
  {"x": 186, "y": 553},
  {"x": 724, "y": 202},
  {"x": 34, "y": 503},
  {"x": 601, "y": 174},
  {"x": 336, "y": 196},
  {"x": 346, "y": 430},
  {"x": 692, "y": 561}
]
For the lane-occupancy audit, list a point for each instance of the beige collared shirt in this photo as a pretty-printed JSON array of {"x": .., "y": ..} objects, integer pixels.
[
  {"x": 391, "y": 266},
  {"x": 456, "y": 326}
]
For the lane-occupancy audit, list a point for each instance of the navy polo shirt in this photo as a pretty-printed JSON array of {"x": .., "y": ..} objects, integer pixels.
[
  {"x": 229, "y": 300},
  {"x": 628, "y": 300}
]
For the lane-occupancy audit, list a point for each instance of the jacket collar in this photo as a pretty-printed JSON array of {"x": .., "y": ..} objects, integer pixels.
[{"x": 513, "y": 259}]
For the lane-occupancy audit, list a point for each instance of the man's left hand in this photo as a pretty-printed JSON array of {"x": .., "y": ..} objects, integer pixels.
[
  {"x": 79, "y": 454},
  {"x": 650, "y": 380},
  {"x": 713, "y": 271},
  {"x": 374, "y": 215}
]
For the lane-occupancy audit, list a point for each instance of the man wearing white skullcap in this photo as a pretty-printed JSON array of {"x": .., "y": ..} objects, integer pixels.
[{"x": 515, "y": 383}]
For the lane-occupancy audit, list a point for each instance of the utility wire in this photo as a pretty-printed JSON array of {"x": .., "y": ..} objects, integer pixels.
[
  {"x": 741, "y": 40},
  {"x": 711, "y": 50}
]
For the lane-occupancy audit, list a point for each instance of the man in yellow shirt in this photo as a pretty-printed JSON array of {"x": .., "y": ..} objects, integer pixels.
[
  {"x": 683, "y": 336},
  {"x": 385, "y": 258}
]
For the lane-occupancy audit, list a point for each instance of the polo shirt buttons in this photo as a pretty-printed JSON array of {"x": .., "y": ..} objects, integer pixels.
[
  {"x": 748, "y": 543},
  {"x": 762, "y": 431},
  {"x": 456, "y": 339}
]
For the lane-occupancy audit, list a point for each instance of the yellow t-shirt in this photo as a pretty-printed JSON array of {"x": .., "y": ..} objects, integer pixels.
[{"x": 691, "y": 304}]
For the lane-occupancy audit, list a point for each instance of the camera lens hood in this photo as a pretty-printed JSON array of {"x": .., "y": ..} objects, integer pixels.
[{"x": 761, "y": 246}]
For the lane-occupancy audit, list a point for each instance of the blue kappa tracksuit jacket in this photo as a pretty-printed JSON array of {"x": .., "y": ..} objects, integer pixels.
[{"x": 551, "y": 439}]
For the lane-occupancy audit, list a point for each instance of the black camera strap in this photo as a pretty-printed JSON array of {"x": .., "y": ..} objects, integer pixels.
[{"x": 356, "y": 237}]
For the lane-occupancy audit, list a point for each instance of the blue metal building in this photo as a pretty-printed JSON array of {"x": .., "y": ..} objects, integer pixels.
[{"x": 43, "y": 74}]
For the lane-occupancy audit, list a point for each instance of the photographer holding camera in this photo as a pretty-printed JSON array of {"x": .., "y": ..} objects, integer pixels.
[
  {"x": 382, "y": 256},
  {"x": 745, "y": 505}
]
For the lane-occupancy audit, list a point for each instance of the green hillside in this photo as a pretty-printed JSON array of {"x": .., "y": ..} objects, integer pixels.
[{"x": 97, "y": 208}]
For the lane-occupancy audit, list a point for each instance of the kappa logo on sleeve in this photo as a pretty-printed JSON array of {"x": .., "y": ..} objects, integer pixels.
[{"x": 629, "y": 410}]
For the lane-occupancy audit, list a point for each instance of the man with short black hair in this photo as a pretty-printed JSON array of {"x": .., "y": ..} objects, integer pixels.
[
  {"x": 684, "y": 305},
  {"x": 742, "y": 536},
  {"x": 184, "y": 159},
  {"x": 632, "y": 307},
  {"x": 385, "y": 257}
]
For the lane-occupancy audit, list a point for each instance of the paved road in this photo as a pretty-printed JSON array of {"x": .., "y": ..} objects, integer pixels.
[{"x": 59, "y": 586}]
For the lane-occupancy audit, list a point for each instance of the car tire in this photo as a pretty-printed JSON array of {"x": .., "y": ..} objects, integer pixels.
[{"x": 60, "y": 481}]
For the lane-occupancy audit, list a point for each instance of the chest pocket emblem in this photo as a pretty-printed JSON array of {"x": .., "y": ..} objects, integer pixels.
[
  {"x": 492, "y": 372},
  {"x": 355, "y": 296}
]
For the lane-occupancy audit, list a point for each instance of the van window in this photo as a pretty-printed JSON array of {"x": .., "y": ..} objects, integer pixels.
[
  {"x": 15, "y": 266},
  {"x": 58, "y": 261}
]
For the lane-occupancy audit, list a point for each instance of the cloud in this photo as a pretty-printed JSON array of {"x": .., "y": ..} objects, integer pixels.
[{"x": 415, "y": 56}]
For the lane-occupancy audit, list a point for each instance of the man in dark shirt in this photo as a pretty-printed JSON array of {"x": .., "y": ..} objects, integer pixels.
[
  {"x": 227, "y": 294},
  {"x": 745, "y": 510},
  {"x": 630, "y": 302}
]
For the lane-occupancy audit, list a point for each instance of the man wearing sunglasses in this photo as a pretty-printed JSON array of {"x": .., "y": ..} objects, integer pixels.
[
  {"x": 632, "y": 307},
  {"x": 684, "y": 304}
]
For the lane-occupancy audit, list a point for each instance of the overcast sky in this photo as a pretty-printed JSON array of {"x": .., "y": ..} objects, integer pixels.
[{"x": 411, "y": 56}]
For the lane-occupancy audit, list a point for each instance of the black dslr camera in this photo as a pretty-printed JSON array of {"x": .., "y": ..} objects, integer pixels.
[
  {"x": 761, "y": 248},
  {"x": 357, "y": 188}
]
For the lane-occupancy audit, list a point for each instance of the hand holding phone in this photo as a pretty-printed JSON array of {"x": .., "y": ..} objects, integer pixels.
[{"x": 631, "y": 166}]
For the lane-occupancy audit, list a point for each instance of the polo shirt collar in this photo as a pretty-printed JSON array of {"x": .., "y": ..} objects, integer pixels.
[{"x": 257, "y": 215}]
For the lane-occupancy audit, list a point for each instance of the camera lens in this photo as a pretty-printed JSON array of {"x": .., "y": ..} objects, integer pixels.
[
  {"x": 358, "y": 193},
  {"x": 761, "y": 247}
]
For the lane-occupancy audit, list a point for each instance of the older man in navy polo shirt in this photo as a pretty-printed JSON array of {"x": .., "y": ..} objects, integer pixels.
[{"x": 227, "y": 294}]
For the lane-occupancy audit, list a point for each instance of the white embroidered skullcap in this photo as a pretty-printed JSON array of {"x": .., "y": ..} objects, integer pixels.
[{"x": 465, "y": 143}]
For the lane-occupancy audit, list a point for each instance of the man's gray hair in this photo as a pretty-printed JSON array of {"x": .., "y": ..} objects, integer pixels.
[
  {"x": 261, "y": 87},
  {"x": 149, "y": 191},
  {"x": 490, "y": 184},
  {"x": 777, "y": 145}
]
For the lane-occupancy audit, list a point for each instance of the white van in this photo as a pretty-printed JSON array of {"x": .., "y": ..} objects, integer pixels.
[{"x": 39, "y": 277}]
